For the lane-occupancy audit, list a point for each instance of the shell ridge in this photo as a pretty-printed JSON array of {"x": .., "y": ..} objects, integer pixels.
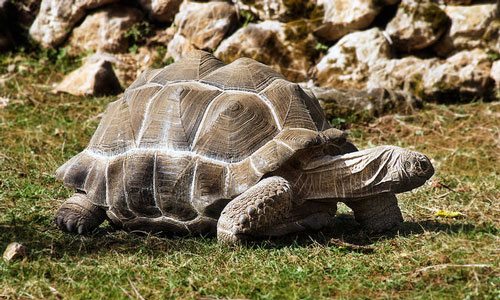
[
  {"x": 146, "y": 113},
  {"x": 202, "y": 121}
]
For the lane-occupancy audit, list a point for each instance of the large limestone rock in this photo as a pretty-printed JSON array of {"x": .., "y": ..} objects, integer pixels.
[
  {"x": 104, "y": 30},
  {"x": 161, "y": 10},
  {"x": 417, "y": 25},
  {"x": 201, "y": 26},
  {"x": 495, "y": 74},
  {"x": 282, "y": 10},
  {"x": 95, "y": 77},
  {"x": 56, "y": 18},
  {"x": 206, "y": 24},
  {"x": 468, "y": 27},
  {"x": 344, "y": 16},
  {"x": 463, "y": 75},
  {"x": 287, "y": 48},
  {"x": 348, "y": 63},
  {"x": 178, "y": 47},
  {"x": 364, "y": 103}
]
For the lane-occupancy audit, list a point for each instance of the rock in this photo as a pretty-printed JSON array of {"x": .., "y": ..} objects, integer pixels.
[
  {"x": 495, "y": 73},
  {"x": 15, "y": 251},
  {"x": 6, "y": 19},
  {"x": 288, "y": 48},
  {"x": 344, "y": 16},
  {"x": 205, "y": 24},
  {"x": 365, "y": 103},
  {"x": 468, "y": 26},
  {"x": 4, "y": 101},
  {"x": 348, "y": 63},
  {"x": 56, "y": 18},
  {"x": 161, "y": 10},
  {"x": 105, "y": 30},
  {"x": 282, "y": 10},
  {"x": 417, "y": 25},
  {"x": 178, "y": 47},
  {"x": 95, "y": 77},
  {"x": 464, "y": 75}
]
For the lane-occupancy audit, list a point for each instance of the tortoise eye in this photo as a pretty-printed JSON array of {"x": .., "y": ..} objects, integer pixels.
[
  {"x": 407, "y": 165},
  {"x": 423, "y": 165}
]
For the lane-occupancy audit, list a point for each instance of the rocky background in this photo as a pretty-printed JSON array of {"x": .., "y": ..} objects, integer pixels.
[{"x": 361, "y": 57}]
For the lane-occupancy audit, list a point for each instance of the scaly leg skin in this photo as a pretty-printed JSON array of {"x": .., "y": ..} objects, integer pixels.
[
  {"x": 253, "y": 212},
  {"x": 377, "y": 214},
  {"x": 78, "y": 215}
]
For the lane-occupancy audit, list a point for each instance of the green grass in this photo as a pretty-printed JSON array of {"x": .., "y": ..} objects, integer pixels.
[{"x": 428, "y": 257}]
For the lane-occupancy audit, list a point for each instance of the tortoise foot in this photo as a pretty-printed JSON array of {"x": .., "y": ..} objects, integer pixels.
[
  {"x": 78, "y": 215},
  {"x": 378, "y": 214},
  {"x": 254, "y": 212}
]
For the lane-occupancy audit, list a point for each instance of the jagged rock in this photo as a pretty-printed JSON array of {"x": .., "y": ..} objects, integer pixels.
[
  {"x": 495, "y": 73},
  {"x": 15, "y": 250},
  {"x": 104, "y": 30},
  {"x": 285, "y": 47},
  {"x": 95, "y": 77},
  {"x": 161, "y": 10},
  {"x": 179, "y": 46},
  {"x": 468, "y": 27},
  {"x": 56, "y": 18},
  {"x": 457, "y": 2},
  {"x": 365, "y": 103},
  {"x": 348, "y": 63},
  {"x": 282, "y": 10},
  {"x": 463, "y": 75},
  {"x": 205, "y": 24},
  {"x": 417, "y": 25},
  {"x": 344, "y": 16}
]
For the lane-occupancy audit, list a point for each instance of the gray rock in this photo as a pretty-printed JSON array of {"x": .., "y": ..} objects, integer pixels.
[
  {"x": 161, "y": 10},
  {"x": 95, "y": 77},
  {"x": 344, "y": 16},
  {"x": 104, "y": 30},
  {"x": 462, "y": 76},
  {"x": 364, "y": 103},
  {"x": 417, "y": 25},
  {"x": 205, "y": 24},
  {"x": 468, "y": 27},
  {"x": 349, "y": 62},
  {"x": 287, "y": 48},
  {"x": 14, "y": 251},
  {"x": 56, "y": 18}
]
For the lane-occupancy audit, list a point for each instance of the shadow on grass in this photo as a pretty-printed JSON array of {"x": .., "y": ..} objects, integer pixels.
[{"x": 46, "y": 240}]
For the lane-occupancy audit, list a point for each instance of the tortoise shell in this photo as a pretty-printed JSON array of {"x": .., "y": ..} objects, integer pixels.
[{"x": 184, "y": 140}]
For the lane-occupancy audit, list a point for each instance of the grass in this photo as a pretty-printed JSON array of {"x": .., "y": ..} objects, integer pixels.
[{"x": 428, "y": 257}]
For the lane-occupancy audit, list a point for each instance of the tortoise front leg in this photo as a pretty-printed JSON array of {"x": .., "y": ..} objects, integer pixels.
[
  {"x": 378, "y": 213},
  {"x": 252, "y": 213},
  {"x": 78, "y": 215}
]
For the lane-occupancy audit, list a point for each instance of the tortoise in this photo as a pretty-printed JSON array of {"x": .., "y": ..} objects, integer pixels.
[{"x": 203, "y": 147}]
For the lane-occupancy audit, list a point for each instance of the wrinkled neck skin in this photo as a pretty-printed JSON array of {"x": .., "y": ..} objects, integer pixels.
[{"x": 362, "y": 174}]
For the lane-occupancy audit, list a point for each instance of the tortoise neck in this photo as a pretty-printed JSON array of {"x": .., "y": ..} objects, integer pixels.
[{"x": 354, "y": 175}]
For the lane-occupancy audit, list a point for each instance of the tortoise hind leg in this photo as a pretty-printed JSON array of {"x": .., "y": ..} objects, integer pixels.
[
  {"x": 378, "y": 213},
  {"x": 252, "y": 213},
  {"x": 78, "y": 215}
]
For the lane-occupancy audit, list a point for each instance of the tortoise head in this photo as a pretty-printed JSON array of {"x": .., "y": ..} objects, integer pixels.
[{"x": 413, "y": 169}]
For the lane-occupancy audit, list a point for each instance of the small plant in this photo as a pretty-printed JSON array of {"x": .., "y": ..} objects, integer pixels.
[
  {"x": 137, "y": 35},
  {"x": 321, "y": 47},
  {"x": 247, "y": 16}
]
